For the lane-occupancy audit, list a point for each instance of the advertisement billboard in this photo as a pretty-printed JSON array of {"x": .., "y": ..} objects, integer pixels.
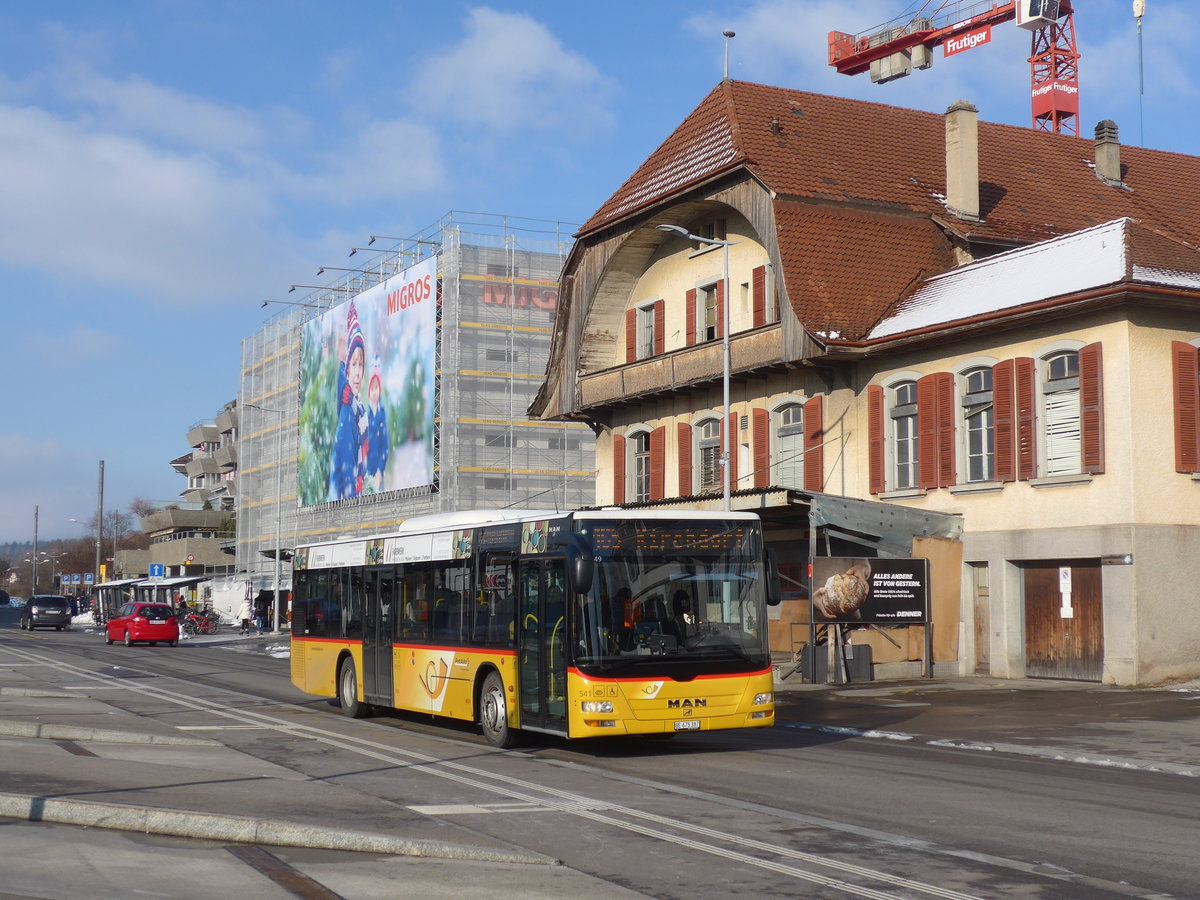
[
  {"x": 850, "y": 590},
  {"x": 367, "y": 391}
]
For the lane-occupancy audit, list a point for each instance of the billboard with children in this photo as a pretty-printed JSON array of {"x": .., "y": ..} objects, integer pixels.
[{"x": 367, "y": 391}]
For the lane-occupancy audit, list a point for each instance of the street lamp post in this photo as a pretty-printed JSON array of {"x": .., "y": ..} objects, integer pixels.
[
  {"x": 726, "y": 429},
  {"x": 278, "y": 508}
]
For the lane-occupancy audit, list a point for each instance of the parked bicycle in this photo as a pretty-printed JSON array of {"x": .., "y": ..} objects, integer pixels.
[{"x": 207, "y": 621}]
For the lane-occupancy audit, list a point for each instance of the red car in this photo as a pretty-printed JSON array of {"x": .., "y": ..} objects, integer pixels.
[{"x": 152, "y": 622}]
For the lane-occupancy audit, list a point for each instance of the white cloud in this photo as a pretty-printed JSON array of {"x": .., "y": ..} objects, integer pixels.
[
  {"x": 137, "y": 106},
  {"x": 119, "y": 211},
  {"x": 510, "y": 73},
  {"x": 384, "y": 160}
]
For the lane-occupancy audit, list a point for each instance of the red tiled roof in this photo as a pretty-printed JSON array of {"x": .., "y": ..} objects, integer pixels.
[
  {"x": 1033, "y": 184},
  {"x": 830, "y": 257},
  {"x": 850, "y": 156}
]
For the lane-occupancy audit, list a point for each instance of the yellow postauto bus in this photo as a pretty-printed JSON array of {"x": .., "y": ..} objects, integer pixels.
[{"x": 580, "y": 624}]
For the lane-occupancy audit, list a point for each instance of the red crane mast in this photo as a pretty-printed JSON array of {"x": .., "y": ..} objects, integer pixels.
[{"x": 894, "y": 49}]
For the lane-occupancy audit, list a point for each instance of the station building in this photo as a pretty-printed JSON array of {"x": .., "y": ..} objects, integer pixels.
[{"x": 948, "y": 339}]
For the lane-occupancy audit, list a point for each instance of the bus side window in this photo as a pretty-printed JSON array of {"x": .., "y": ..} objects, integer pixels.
[
  {"x": 497, "y": 587},
  {"x": 416, "y": 602}
]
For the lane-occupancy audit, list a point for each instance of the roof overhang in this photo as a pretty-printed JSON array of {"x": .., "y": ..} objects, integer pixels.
[{"x": 888, "y": 528}]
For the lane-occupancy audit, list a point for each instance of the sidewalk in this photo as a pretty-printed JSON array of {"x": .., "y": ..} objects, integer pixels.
[{"x": 1150, "y": 729}]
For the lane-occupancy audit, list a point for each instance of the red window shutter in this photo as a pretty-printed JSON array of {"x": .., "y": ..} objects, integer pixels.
[
  {"x": 944, "y": 388},
  {"x": 630, "y": 335},
  {"x": 1091, "y": 408},
  {"x": 927, "y": 433},
  {"x": 1026, "y": 408},
  {"x": 875, "y": 432},
  {"x": 1005, "y": 419},
  {"x": 690, "y": 334},
  {"x": 814, "y": 452},
  {"x": 658, "y": 454},
  {"x": 761, "y": 436},
  {"x": 618, "y": 464},
  {"x": 1185, "y": 364},
  {"x": 758, "y": 293},
  {"x": 684, "y": 436},
  {"x": 721, "y": 308},
  {"x": 660, "y": 328},
  {"x": 733, "y": 452}
]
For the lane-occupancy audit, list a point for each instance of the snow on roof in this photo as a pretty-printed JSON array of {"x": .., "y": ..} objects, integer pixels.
[
  {"x": 1167, "y": 277},
  {"x": 1075, "y": 262}
]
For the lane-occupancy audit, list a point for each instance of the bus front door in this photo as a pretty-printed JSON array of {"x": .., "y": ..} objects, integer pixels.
[
  {"x": 542, "y": 669},
  {"x": 378, "y": 596}
]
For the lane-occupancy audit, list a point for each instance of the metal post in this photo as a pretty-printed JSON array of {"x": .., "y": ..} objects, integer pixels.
[
  {"x": 729, "y": 430},
  {"x": 34, "y": 591},
  {"x": 100, "y": 522},
  {"x": 725, "y": 363},
  {"x": 278, "y": 517}
]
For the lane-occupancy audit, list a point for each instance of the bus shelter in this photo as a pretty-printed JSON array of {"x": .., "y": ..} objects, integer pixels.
[
  {"x": 112, "y": 595},
  {"x": 163, "y": 590}
]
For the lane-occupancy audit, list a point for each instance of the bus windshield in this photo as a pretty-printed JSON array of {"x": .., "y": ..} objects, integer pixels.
[{"x": 673, "y": 591}]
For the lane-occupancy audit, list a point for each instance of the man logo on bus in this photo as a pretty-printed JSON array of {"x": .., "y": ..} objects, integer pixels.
[{"x": 687, "y": 704}]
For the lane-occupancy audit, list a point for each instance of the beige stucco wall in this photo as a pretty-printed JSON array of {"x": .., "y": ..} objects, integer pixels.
[{"x": 676, "y": 269}]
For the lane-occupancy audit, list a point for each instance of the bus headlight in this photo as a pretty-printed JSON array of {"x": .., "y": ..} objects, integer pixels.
[
  {"x": 597, "y": 706},
  {"x": 765, "y": 697}
]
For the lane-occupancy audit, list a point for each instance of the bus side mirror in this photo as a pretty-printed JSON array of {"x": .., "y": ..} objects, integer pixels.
[
  {"x": 579, "y": 571},
  {"x": 774, "y": 589},
  {"x": 579, "y": 553}
]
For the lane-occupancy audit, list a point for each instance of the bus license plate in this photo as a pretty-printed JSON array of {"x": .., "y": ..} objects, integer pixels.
[{"x": 687, "y": 725}]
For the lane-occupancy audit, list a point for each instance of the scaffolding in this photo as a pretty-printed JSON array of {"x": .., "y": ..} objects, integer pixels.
[{"x": 499, "y": 288}]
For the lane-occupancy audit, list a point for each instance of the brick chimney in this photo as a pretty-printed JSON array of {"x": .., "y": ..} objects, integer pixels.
[
  {"x": 1108, "y": 152},
  {"x": 962, "y": 160}
]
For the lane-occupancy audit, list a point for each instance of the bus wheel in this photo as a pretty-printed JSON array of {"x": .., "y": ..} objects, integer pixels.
[
  {"x": 493, "y": 713},
  {"x": 348, "y": 691}
]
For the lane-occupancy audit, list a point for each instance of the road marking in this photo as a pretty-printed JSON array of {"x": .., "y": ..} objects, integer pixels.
[{"x": 681, "y": 833}]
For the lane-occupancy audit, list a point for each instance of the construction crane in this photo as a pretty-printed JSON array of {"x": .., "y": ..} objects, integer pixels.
[{"x": 894, "y": 49}]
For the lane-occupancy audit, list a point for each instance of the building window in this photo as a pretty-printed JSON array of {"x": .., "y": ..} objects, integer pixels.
[
  {"x": 710, "y": 312},
  {"x": 713, "y": 229},
  {"x": 789, "y": 446},
  {"x": 904, "y": 435},
  {"x": 1060, "y": 402},
  {"x": 708, "y": 445},
  {"x": 645, "y": 331},
  {"x": 979, "y": 424},
  {"x": 640, "y": 457}
]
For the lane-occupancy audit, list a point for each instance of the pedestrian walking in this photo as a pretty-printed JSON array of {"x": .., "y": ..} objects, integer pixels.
[
  {"x": 244, "y": 614},
  {"x": 261, "y": 604}
]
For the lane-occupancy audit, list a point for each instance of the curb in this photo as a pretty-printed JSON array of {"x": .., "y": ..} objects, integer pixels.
[
  {"x": 242, "y": 829},
  {"x": 77, "y": 733}
]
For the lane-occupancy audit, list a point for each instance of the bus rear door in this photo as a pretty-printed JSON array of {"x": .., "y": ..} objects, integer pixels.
[{"x": 379, "y": 596}]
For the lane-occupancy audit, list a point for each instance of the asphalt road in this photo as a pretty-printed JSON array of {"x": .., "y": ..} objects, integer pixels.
[{"x": 972, "y": 788}]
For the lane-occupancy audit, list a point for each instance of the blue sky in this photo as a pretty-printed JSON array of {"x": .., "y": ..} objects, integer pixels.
[{"x": 166, "y": 166}]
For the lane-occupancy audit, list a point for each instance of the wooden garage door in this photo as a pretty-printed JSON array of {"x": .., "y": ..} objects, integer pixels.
[{"x": 1064, "y": 638}]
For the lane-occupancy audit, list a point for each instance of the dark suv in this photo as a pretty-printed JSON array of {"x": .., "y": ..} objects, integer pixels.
[{"x": 46, "y": 609}]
